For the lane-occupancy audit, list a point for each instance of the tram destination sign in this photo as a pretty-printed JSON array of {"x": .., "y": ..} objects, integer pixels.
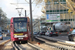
[{"x": 20, "y": 19}]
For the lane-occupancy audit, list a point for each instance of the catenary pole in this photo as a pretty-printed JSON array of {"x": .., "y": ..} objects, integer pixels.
[
  {"x": 30, "y": 4},
  {"x": 25, "y": 13}
]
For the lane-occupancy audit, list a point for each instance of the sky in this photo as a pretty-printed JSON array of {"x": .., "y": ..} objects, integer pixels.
[{"x": 9, "y": 7}]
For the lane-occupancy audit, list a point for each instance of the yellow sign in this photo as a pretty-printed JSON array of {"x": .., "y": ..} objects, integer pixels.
[
  {"x": 69, "y": 11},
  {"x": 18, "y": 34}
]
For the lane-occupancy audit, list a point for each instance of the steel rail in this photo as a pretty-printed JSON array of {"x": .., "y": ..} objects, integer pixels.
[
  {"x": 63, "y": 42},
  {"x": 15, "y": 46},
  {"x": 19, "y": 47},
  {"x": 57, "y": 45}
]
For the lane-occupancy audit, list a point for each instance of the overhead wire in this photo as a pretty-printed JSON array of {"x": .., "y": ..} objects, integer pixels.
[
  {"x": 33, "y": 9},
  {"x": 27, "y": 3},
  {"x": 32, "y": 2}
]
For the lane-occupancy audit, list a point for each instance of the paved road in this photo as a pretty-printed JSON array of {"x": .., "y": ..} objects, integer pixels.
[{"x": 61, "y": 37}]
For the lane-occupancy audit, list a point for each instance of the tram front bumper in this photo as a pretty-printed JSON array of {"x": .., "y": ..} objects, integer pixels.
[{"x": 20, "y": 39}]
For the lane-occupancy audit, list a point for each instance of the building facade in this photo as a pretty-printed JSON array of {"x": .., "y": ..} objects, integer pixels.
[{"x": 56, "y": 11}]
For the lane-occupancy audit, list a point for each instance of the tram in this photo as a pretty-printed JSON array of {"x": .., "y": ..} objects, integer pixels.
[{"x": 19, "y": 29}]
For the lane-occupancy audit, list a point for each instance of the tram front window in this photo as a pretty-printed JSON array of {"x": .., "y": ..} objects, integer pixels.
[{"x": 20, "y": 27}]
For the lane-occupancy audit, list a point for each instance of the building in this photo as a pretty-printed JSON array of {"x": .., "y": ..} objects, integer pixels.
[{"x": 57, "y": 11}]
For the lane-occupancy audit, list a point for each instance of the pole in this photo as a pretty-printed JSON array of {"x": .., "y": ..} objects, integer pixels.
[
  {"x": 0, "y": 18},
  {"x": 25, "y": 13},
  {"x": 31, "y": 20}
]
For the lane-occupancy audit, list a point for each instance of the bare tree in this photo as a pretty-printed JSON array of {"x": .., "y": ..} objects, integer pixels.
[
  {"x": 3, "y": 20},
  {"x": 38, "y": 1}
]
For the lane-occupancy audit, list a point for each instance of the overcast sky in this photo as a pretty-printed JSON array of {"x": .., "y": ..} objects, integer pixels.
[{"x": 10, "y": 9}]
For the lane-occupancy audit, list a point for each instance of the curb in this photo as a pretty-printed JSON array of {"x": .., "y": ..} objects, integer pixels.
[
  {"x": 59, "y": 41},
  {"x": 57, "y": 46},
  {"x": 4, "y": 42}
]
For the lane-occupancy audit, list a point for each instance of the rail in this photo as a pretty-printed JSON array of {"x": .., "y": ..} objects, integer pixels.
[
  {"x": 56, "y": 44},
  {"x": 18, "y": 47}
]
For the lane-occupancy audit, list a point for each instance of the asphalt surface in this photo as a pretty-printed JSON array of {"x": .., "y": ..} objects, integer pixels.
[{"x": 61, "y": 37}]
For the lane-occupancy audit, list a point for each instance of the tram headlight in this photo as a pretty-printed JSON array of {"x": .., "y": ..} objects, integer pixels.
[
  {"x": 26, "y": 35},
  {"x": 15, "y": 36}
]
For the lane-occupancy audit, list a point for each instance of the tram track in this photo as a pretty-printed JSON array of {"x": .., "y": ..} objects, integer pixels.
[
  {"x": 58, "y": 41},
  {"x": 61, "y": 46},
  {"x": 15, "y": 46},
  {"x": 27, "y": 46}
]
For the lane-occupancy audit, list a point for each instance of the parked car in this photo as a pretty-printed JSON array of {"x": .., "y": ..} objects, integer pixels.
[
  {"x": 51, "y": 33},
  {"x": 54, "y": 33},
  {"x": 35, "y": 33},
  {"x": 1, "y": 36},
  {"x": 47, "y": 33},
  {"x": 71, "y": 35},
  {"x": 42, "y": 33}
]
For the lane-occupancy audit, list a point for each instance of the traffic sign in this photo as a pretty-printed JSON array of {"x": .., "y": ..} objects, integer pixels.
[{"x": 69, "y": 11}]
